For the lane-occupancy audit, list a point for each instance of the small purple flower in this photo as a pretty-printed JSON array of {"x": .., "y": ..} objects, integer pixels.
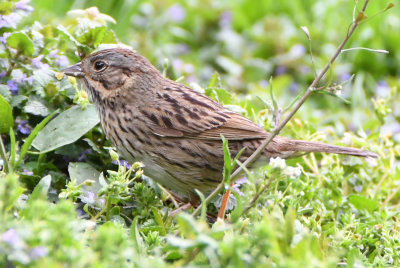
[
  {"x": 24, "y": 127},
  {"x": 264, "y": 83},
  {"x": 38, "y": 252},
  {"x": 10, "y": 20},
  {"x": 12, "y": 238},
  {"x": 53, "y": 53},
  {"x": 29, "y": 80},
  {"x": 294, "y": 88},
  {"x": 24, "y": 78},
  {"x": 191, "y": 79},
  {"x": 27, "y": 172},
  {"x": 188, "y": 68},
  {"x": 225, "y": 20},
  {"x": 176, "y": 13},
  {"x": 125, "y": 164},
  {"x": 304, "y": 69},
  {"x": 345, "y": 76},
  {"x": 37, "y": 62},
  {"x": 383, "y": 89},
  {"x": 13, "y": 86},
  {"x": 84, "y": 153},
  {"x": 62, "y": 61},
  {"x": 182, "y": 49},
  {"x": 89, "y": 198},
  {"x": 3, "y": 38},
  {"x": 177, "y": 64},
  {"x": 297, "y": 50},
  {"x": 23, "y": 5},
  {"x": 238, "y": 183},
  {"x": 280, "y": 70},
  {"x": 3, "y": 74},
  {"x": 122, "y": 163}
]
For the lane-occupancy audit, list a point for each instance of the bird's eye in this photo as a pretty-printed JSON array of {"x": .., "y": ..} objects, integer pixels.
[{"x": 99, "y": 65}]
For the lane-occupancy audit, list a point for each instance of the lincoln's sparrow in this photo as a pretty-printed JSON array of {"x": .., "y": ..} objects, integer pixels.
[{"x": 172, "y": 129}]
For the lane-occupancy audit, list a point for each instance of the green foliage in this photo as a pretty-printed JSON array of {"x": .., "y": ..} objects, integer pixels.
[
  {"x": 66, "y": 129},
  {"x": 67, "y": 199},
  {"x": 6, "y": 116}
]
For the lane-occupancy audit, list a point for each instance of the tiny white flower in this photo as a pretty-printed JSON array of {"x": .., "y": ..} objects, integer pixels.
[
  {"x": 292, "y": 172},
  {"x": 277, "y": 162},
  {"x": 346, "y": 138}
]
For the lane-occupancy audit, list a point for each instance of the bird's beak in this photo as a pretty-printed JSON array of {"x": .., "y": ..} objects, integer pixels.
[{"x": 74, "y": 70}]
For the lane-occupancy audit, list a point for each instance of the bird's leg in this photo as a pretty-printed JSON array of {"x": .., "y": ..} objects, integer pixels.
[{"x": 224, "y": 203}]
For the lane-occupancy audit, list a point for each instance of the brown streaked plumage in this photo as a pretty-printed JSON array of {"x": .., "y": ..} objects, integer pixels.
[{"x": 175, "y": 131}]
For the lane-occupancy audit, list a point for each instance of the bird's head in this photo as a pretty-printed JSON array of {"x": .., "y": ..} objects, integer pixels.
[{"x": 108, "y": 71}]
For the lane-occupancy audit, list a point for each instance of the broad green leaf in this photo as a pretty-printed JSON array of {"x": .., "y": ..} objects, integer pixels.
[
  {"x": 6, "y": 117},
  {"x": 36, "y": 107},
  {"x": 66, "y": 128},
  {"x": 22, "y": 43},
  {"x": 82, "y": 172},
  {"x": 17, "y": 100},
  {"x": 361, "y": 202}
]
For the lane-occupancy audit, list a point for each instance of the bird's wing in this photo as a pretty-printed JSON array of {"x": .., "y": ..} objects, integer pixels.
[{"x": 186, "y": 113}]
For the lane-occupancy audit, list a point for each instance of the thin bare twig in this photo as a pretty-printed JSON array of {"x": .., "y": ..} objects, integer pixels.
[{"x": 276, "y": 131}]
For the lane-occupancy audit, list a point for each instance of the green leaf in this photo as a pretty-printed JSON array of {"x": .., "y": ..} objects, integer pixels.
[
  {"x": 36, "y": 107},
  {"x": 180, "y": 242},
  {"x": 187, "y": 225},
  {"x": 203, "y": 213},
  {"x": 6, "y": 7},
  {"x": 68, "y": 127},
  {"x": 41, "y": 79},
  {"x": 13, "y": 149},
  {"x": 158, "y": 219},
  {"x": 361, "y": 202},
  {"x": 5, "y": 92},
  {"x": 10, "y": 191},
  {"x": 135, "y": 236},
  {"x": 96, "y": 36},
  {"x": 41, "y": 189},
  {"x": 82, "y": 172},
  {"x": 65, "y": 33},
  {"x": 22, "y": 43},
  {"x": 115, "y": 211},
  {"x": 6, "y": 117}
]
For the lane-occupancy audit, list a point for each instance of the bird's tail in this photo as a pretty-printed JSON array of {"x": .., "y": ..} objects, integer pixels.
[{"x": 294, "y": 148}]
